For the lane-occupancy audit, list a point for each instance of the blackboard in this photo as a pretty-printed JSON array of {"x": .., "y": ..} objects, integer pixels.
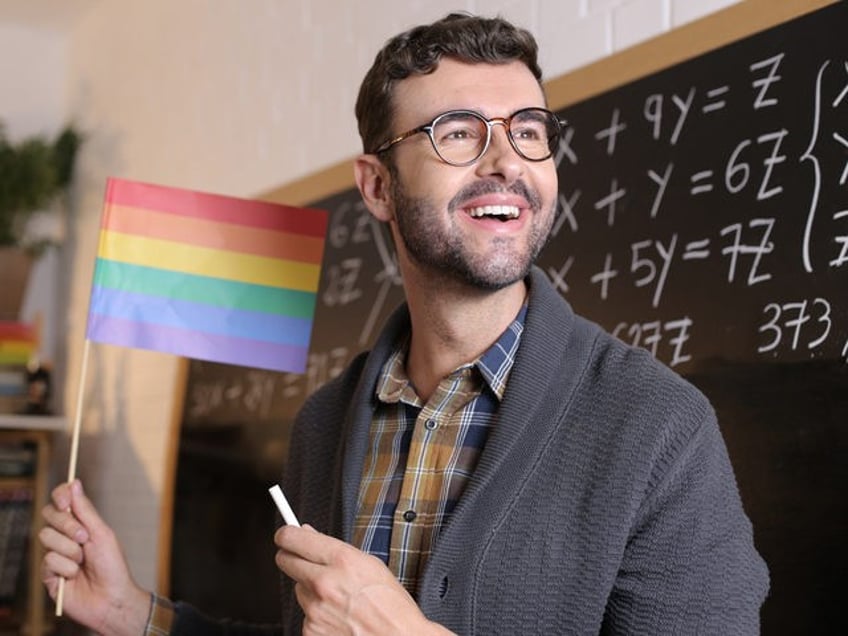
[
  {"x": 706, "y": 219},
  {"x": 704, "y": 216}
]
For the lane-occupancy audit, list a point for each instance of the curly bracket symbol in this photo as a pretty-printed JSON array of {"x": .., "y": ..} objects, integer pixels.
[
  {"x": 839, "y": 138},
  {"x": 816, "y": 170}
]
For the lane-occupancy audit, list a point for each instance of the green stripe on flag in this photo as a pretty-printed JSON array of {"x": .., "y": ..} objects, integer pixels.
[{"x": 216, "y": 292}]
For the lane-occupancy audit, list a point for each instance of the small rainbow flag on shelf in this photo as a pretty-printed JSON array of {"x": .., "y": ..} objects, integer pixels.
[
  {"x": 18, "y": 343},
  {"x": 206, "y": 276},
  {"x": 18, "y": 347}
]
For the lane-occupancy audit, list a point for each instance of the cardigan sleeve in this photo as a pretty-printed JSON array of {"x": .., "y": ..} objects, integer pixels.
[{"x": 690, "y": 565}]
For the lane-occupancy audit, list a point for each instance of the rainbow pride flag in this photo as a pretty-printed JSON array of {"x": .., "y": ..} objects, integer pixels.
[
  {"x": 18, "y": 343},
  {"x": 206, "y": 276}
]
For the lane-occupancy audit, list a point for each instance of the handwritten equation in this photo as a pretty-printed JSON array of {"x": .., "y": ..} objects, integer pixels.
[{"x": 683, "y": 205}]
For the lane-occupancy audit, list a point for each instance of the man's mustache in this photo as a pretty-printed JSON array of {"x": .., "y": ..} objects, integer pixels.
[{"x": 491, "y": 186}]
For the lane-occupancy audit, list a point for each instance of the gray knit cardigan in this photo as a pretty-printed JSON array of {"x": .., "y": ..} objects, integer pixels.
[{"x": 603, "y": 502}]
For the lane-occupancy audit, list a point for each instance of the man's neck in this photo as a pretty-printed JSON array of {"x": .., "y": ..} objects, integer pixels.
[{"x": 454, "y": 327}]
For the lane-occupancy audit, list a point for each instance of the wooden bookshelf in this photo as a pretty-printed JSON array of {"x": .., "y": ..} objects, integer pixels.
[{"x": 35, "y": 433}]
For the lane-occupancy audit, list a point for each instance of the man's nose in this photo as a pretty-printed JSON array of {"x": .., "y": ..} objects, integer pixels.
[{"x": 501, "y": 159}]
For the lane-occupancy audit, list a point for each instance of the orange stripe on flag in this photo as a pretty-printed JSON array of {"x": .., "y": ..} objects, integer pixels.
[
  {"x": 216, "y": 207},
  {"x": 208, "y": 233}
]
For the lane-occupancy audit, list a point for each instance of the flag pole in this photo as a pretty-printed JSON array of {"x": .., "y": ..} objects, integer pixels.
[{"x": 72, "y": 463}]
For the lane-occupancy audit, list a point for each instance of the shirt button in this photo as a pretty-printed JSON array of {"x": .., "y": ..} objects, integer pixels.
[
  {"x": 409, "y": 516},
  {"x": 431, "y": 425}
]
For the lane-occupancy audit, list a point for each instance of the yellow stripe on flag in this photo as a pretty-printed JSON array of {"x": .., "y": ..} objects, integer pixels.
[
  {"x": 213, "y": 263},
  {"x": 18, "y": 347},
  {"x": 16, "y": 352}
]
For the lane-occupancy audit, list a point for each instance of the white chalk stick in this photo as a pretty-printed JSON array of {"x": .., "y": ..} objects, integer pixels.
[{"x": 283, "y": 506}]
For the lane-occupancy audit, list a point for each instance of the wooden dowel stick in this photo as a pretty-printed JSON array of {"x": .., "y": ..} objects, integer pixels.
[{"x": 72, "y": 463}]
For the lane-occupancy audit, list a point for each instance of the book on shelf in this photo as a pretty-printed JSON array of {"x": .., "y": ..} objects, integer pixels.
[
  {"x": 15, "y": 520},
  {"x": 17, "y": 459}
]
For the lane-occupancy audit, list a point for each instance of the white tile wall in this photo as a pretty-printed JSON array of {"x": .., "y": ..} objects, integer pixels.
[
  {"x": 638, "y": 20},
  {"x": 683, "y": 11},
  {"x": 32, "y": 93},
  {"x": 597, "y": 6},
  {"x": 567, "y": 43},
  {"x": 519, "y": 12},
  {"x": 234, "y": 98}
]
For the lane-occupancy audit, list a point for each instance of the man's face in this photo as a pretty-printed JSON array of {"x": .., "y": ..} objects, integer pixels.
[{"x": 483, "y": 224}]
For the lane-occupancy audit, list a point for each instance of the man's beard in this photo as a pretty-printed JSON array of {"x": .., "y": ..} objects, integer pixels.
[{"x": 446, "y": 255}]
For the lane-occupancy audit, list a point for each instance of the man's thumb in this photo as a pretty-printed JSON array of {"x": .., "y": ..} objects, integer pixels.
[{"x": 83, "y": 509}]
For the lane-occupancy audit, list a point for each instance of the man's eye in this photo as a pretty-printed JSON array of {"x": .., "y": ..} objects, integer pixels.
[
  {"x": 529, "y": 133},
  {"x": 458, "y": 133}
]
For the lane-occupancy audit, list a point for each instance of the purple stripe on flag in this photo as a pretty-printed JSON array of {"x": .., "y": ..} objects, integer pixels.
[
  {"x": 195, "y": 344},
  {"x": 174, "y": 312}
]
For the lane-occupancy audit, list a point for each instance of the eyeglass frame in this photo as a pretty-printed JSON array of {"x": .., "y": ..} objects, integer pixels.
[{"x": 503, "y": 121}]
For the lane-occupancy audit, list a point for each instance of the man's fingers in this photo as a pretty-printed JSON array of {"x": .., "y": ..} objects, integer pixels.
[
  {"x": 54, "y": 541},
  {"x": 84, "y": 510},
  {"x": 307, "y": 543},
  {"x": 55, "y": 565},
  {"x": 61, "y": 496},
  {"x": 308, "y": 555},
  {"x": 82, "y": 521},
  {"x": 60, "y": 517},
  {"x": 65, "y": 523},
  {"x": 296, "y": 567},
  {"x": 304, "y": 553}
]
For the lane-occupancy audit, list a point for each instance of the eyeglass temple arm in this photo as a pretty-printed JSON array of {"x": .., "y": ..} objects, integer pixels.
[{"x": 383, "y": 147}]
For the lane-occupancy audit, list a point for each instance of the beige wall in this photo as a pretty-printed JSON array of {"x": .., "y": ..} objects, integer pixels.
[{"x": 235, "y": 98}]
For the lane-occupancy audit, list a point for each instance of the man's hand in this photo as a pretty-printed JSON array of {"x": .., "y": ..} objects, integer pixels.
[
  {"x": 99, "y": 590},
  {"x": 342, "y": 590}
]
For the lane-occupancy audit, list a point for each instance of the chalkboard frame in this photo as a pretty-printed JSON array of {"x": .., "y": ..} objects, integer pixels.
[{"x": 726, "y": 26}]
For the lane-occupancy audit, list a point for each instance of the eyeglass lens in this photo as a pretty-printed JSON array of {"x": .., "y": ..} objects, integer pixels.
[{"x": 461, "y": 136}]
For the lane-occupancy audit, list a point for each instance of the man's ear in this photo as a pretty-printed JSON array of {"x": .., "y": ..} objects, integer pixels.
[{"x": 373, "y": 180}]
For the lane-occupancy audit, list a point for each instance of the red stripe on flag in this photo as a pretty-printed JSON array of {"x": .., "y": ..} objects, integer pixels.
[
  {"x": 215, "y": 207},
  {"x": 17, "y": 331}
]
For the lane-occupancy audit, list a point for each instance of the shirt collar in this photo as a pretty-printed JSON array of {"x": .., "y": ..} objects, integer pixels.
[
  {"x": 494, "y": 365},
  {"x": 496, "y": 362}
]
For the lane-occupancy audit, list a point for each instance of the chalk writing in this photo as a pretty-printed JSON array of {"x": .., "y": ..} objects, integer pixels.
[
  {"x": 604, "y": 276},
  {"x": 610, "y": 134},
  {"x": 824, "y": 113},
  {"x": 653, "y": 112},
  {"x": 342, "y": 278},
  {"x": 651, "y": 335},
  {"x": 651, "y": 273},
  {"x": 566, "y": 213},
  {"x": 841, "y": 240},
  {"x": 787, "y": 323},
  {"x": 733, "y": 184},
  {"x": 662, "y": 183},
  {"x": 761, "y": 245},
  {"x": 715, "y": 99},
  {"x": 771, "y": 66},
  {"x": 251, "y": 392}
]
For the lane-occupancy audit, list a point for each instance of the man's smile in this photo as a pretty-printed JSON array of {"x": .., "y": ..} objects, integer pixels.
[{"x": 503, "y": 212}]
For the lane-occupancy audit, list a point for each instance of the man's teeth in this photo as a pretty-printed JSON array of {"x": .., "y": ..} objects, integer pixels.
[{"x": 504, "y": 211}]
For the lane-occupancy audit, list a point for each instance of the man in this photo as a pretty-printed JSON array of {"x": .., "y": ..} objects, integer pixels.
[{"x": 496, "y": 464}]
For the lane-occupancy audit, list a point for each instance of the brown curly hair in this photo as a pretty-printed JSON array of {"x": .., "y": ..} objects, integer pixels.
[{"x": 459, "y": 36}]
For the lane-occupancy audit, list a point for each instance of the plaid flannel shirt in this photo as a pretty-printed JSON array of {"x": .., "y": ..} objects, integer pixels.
[{"x": 420, "y": 456}]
